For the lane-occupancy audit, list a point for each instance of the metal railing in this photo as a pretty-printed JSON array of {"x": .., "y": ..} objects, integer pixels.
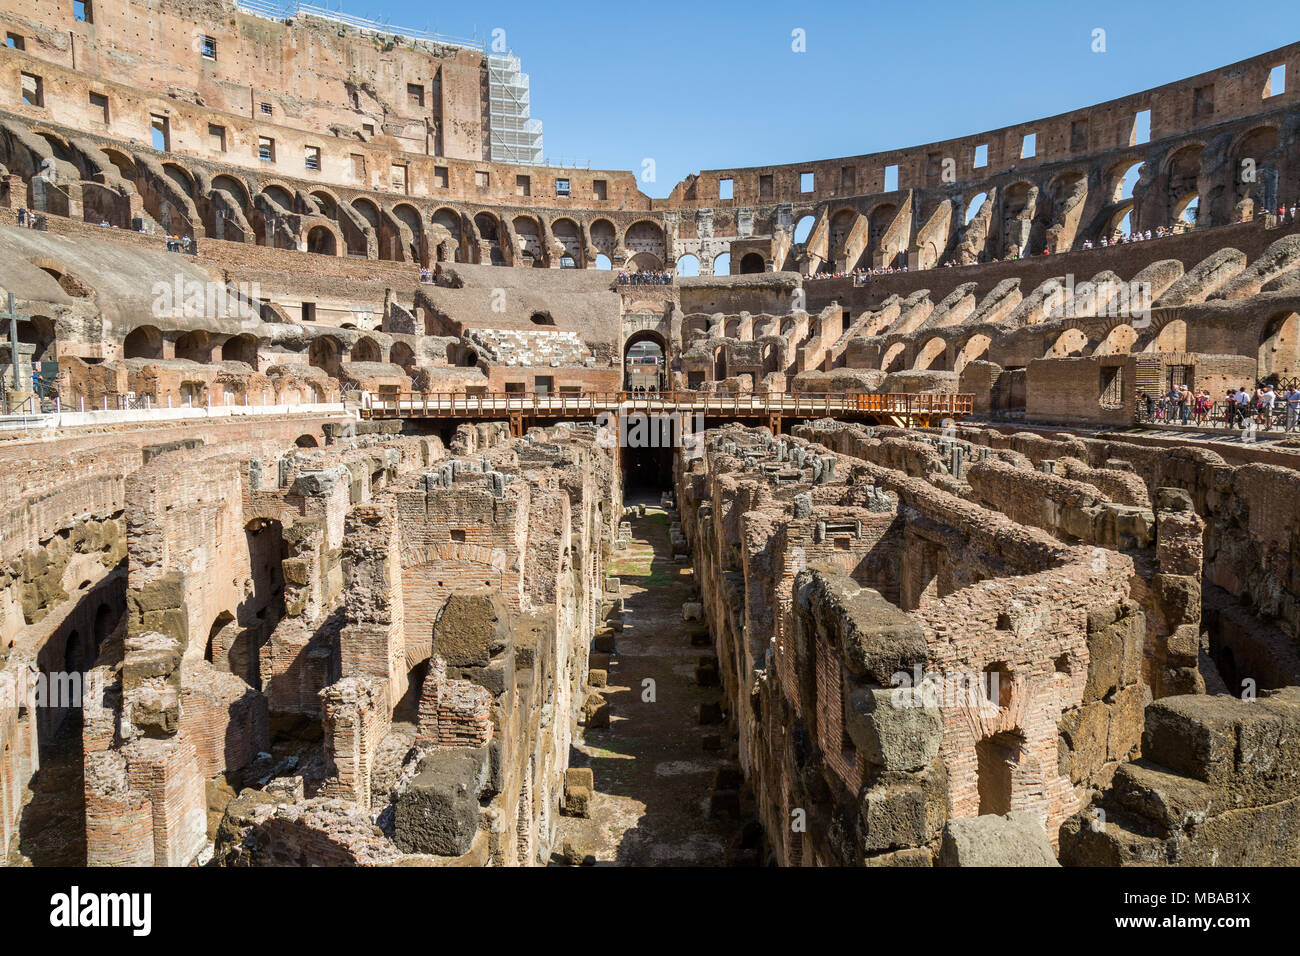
[{"x": 590, "y": 404}]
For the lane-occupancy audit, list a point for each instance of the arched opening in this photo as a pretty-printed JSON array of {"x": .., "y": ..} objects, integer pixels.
[
  {"x": 568, "y": 235},
  {"x": 408, "y": 216},
  {"x": 366, "y": 350},
  {"x": 1118, "y": 341},
  {"x": 604, "y": 262},
  {"x": 306, "y": 441},
  {"x": 145, "y": 342},
  {"x": 644, "y": 362},
  {"x": 195, "y": 346},
  {"x": 645, "y": 240},
  {"x": 687, "y": 266},
  {"x": 320, "y": 240},
  {"x": 604, "y": 237},
  {"x": 447, "y": 235},
  {"x": 240, "y": 348},
  {"x": 464, "y": 357},
  {"x": 933, "y": 356},
  {"x": 751, "y": 263},
  {"x": 1279, "y": 347},
  {"x": 722, "y": 264},
  {"x": 486, "y": 224},
  {"x": 324, "y": 354},
  {"x": 894, "y": 357},
  {"x": 402, "y": 355},
  {"x": 1069, "y": 343},
  {"x": 1172, "y": 337},
  {"x": 803, "y": 229},
  {"x": 541, "y": 318},
  {"x": 976, "y": 347},
  {"x": 975, "y": 205}
]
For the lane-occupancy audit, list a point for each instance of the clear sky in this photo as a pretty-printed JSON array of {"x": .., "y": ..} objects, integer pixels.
[{"x": 707, "y": 85}]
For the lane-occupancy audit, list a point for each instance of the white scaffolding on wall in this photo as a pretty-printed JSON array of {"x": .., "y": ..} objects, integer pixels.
[{"x": 513, "y": 136}]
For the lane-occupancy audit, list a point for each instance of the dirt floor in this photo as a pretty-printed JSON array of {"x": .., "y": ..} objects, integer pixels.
[{"x": 653, "y": 777}]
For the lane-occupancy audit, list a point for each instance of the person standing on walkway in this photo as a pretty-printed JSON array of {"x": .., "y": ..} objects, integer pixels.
[{"x": 1292, "y": 407}]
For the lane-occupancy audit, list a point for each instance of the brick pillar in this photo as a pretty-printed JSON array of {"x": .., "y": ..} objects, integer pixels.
[{"x": 373, "y": 639}]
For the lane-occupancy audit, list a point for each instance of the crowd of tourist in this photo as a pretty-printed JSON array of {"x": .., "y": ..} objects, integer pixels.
[
  {"x": 178, "y": 243},
  {"x": 1265, "y": 406},
  {"x": 645, "y": 278},
  {"x": 27, "y": 220}
]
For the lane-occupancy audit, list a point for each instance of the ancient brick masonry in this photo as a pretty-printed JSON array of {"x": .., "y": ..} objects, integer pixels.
[{"x": 860, "y": 567}]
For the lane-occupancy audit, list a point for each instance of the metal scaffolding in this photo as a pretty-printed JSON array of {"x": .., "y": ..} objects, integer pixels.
[{"x": 513, "y": 136}]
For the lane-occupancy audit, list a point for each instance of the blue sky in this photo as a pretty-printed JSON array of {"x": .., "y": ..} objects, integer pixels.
[{"x": 707, "y": 85}]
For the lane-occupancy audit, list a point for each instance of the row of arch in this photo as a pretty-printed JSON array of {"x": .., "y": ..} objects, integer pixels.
[
  {"x": 1277, "y": 346},
  {"x": 326, "y": 352}
]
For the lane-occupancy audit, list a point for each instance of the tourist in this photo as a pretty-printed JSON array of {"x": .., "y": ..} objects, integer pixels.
[
  {"x": 1267, "y": 399},
  {"x": 1184, "y": 404},
  {"x": 1241, "y": 403},
  {"x": 1292, "y": 407},
  {"x": 22, "y": 215}
]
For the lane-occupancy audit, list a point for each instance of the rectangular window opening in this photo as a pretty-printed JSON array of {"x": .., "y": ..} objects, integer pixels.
[
  {"x": 15, "y": 42},
  {"x": 523, "y": 186},
  {"x": 208, "y": 47},
  {"x": 981, "y": 155},
  {"x": 99, "y": 103},
  {"x": 1276, "y": 84},
  {"x": 1029, "y": 146},
  {"x": 891, "y": 178},
  {"x": 1141, "y": 129},
  {"x": 216, "y": 137},
  {"x": 82, "y": 11},
  {"x": 726, "y": 188},
  {"x": 599, "y": 189},
  {"x": 33, "y": 90},
  {"x": 266, "y": 149},
  {"x": 311, "y": 159},
  {"x": 160, "y": 128},
  {"x": 562, "y": 188}
]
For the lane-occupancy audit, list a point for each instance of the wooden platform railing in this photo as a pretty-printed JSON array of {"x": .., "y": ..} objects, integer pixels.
[{"x": 589, "y": 404}]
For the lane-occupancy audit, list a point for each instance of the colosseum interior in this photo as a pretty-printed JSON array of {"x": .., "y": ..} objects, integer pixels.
[{"x": 372, "y": 498}]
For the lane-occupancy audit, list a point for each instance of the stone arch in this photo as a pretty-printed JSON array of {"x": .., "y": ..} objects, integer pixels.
[
  {"x": 974, "y": 206},
  {"x": 306, "y": 441},
  {"x": 752, "y": 263},
  {"x": 604, "y": 238},
  {"x": 569, "y": 235},
  {"x": 1279, "y": 346},
  {"x": 640, "y": 349},
  {"x": 407, "y": 215},
  {"x": 529, "y": 241},
  {"x": 489, "y": 231},
  {"x": 645, "y": 240},
  {"x": 687, "y": 266},
  {"x": 366, "y": 350},
  {"x": 240, "y": 348},
  {"x": 446, "y": 248},
  {"x": 280, "y": 195},
  {"x": 803, "y": 228},
  {"x": 403, "y": 355},
  {"x": 933, "y": 356},
  {"x": 322, "y": 241},
  {"x": 1071, "y": 342},
  {"x": 722, "y": 264},
  {"x": 195, "y": 346},
  {"x": 325, "y": 354},
  {"x": 894, "y": 358},
  {"x": 1171, "y": 337},
  {"x": 975, "y": 347},
  {"x": 1118, "y": 340},
  {"x": 181, "y": 176},
  {"x": 144, "y": 342}
]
